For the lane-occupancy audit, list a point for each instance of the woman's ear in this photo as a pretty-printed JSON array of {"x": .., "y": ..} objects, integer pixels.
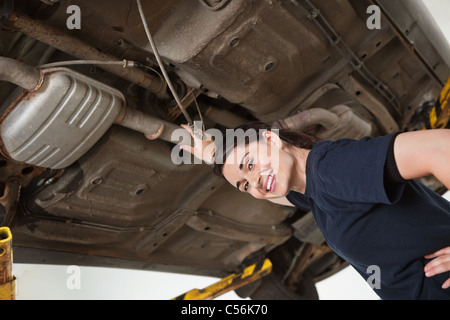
[{"x": 272, "y": 138}]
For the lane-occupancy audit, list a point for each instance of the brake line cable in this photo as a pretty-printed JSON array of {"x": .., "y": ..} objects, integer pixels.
[{"x": 161, "y": 65}]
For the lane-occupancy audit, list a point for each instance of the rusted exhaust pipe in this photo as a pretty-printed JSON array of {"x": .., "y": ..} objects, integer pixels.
[
  {"x": 307, "y": 118},
  {"x": 153, "y": 128},
  {"x": 19, "y": 73},
  {"x": 338, "y": 122}
]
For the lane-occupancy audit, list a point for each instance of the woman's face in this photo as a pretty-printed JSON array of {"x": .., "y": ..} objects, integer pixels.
[{"x": 262, "y": 168}]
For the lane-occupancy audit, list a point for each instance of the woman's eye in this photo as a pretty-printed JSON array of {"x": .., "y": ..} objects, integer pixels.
[
  {"x": 246, "y": 186},
  {"x": 250, "y": 165}
]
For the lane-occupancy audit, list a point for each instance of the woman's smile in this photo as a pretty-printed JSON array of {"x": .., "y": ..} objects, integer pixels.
[
  {"x": 270, "y": 184},
  {"x": 264, "y": 168}
]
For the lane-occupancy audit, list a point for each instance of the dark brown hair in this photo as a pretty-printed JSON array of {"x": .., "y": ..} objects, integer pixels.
[{"x": 297, "y": 139}]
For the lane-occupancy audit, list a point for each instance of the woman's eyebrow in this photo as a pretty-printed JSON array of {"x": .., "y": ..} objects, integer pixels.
[
  {"x": 238, "y": 184},
  {"x": 242, "y": 161}
]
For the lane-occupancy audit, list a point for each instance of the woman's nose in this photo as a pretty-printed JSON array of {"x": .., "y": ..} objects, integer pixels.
[{"x": 255, "y": 179}]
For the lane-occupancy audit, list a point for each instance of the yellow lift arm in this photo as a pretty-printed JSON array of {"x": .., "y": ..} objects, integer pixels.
[
  {"x": 7, "y": 280},
  {"x": 231, "y": 282},
  {"x": 439, "y": 117}
]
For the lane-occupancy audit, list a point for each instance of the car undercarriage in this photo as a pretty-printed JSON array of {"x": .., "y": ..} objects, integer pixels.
[{"x": 87, "y": 117}]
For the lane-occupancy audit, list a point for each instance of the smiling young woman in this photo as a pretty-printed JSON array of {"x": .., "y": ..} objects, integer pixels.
[
  {"x": 261, "y": 173},
  {"x": 363, "y": 195}
]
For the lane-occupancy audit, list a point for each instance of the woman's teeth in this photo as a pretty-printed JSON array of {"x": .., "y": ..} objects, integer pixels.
[{"x": 269, "y": 182}]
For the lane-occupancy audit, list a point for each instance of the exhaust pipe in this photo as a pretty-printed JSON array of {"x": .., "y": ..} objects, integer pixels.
[
  {"x": 305, "y": 119},
  {"x": 338, "y": 122},
  {"x": 19, "y": 73},
  {"x": 62, "y": 114}
]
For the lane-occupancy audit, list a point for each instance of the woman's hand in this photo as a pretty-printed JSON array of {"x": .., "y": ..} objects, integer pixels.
[
  {"x": 439, "y": 264},
  {"x": 204, "y": 147}
]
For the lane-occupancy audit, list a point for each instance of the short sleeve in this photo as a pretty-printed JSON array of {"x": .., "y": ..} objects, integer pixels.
[
  {"x": 353, "y": 170},
  {"x": 299, "y": 200}
]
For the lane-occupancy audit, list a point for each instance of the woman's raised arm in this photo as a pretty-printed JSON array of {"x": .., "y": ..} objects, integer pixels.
[{"x": 421, "y": 153}]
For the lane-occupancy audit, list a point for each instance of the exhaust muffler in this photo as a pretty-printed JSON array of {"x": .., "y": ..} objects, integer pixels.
[{"x": 62, "y": 114}]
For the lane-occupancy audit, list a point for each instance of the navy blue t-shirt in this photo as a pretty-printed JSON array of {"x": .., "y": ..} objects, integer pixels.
[{"x": 370, "y": 223}]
